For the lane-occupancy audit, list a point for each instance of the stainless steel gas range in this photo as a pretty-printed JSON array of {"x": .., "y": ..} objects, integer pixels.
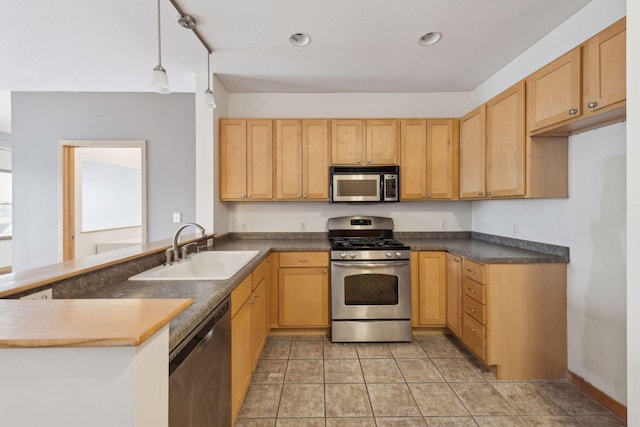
[{"x": 370, "y": 281}]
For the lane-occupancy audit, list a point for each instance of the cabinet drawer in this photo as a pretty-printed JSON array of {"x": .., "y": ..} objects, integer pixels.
[
  {"x": 304, "y": 259},
  {"x": 474, "y": 271},
  {"x": 240, "y": 294},
  {"x": 473, "y": 335},
  {"x": 474, "y": 290},
  {"x": 474, "y": 309}
]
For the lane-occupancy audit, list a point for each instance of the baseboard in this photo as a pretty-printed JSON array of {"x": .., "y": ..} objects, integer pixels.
[{"x": 597, "y": 394}]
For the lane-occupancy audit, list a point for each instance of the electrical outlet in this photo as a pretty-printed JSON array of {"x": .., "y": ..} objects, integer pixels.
[
  {"x": 46, "y": 294},
  {"x": 302, "y": 226},
  {"x": 177, "y": 217},
  {"x": 243, "y": 226},
  {"x": 443, "y": 224}
]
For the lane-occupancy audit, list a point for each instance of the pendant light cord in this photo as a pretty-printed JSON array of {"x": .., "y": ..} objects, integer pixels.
[
  {"x": 159, "y": 38},
  {"x": 208, "y": 70}
]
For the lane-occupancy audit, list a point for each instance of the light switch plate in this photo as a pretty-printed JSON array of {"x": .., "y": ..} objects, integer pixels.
[{"x": 177, "y": 218}]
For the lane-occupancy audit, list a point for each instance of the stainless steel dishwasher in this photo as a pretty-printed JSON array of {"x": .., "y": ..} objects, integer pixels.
[{"x": 200, "y": 374}]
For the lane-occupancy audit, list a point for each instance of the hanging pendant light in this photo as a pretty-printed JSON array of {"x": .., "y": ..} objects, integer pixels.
[
  {"x": 207, "y": 97},
  {"x": 160, "y": 81}
]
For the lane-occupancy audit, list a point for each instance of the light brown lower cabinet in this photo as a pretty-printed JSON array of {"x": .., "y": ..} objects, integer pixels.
[
  {"x": 513, "y": 317},
  {"x": 454, "y": 294},
  {"x": 303, "y": 289},
  {"x": 249, "y": 329},
  {"x": 428, "y": 288}
]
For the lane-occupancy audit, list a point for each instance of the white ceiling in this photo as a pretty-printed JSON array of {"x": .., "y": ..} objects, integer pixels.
[{"x": 357, "y": 45}]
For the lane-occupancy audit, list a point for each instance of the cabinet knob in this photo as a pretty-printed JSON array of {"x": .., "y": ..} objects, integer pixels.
[
  {"x": 457, "y": 259},
  {"x": 489, "y": 193},
  {"x": 592, "y": 104},
  {"x": 248, "y": 196},
  {"x": 359, "y": 161},
  {"x": 424, "y": 196},
  {"x": 299, "y": 196},
  {"x": 428, "y": 196},
  {"x": 324, "y": 271},
  {"x": 480, "y": 193},
  {"x": 244, "y": 196},
  {"x": 304, "y": 196},
  {"x": 573, "y": 111},
  {"x": 252, "y": 302},
  {"x": 257, "y": 295},
  {"x": 369, "y": 161}
]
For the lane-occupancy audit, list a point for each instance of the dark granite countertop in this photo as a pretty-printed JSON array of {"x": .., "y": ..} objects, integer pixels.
[{"x": 208, "y": 294}]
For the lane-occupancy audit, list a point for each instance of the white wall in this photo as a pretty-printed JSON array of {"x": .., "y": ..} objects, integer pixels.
[
  {"x": 312, "y": 216},
  {"x": 6, "y": 247},
  {"x": 591, "y": 222},
  {"x": 633, "y": 212},
  {"x": 210, "y": 212},
  {"x": 40, "y": 120}
]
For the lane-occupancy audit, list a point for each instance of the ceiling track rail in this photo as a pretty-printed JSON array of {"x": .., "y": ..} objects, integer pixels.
[{"x": 180, "y": 11}]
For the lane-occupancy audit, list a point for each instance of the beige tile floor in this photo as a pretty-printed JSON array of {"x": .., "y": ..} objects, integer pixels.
[{"x": 309, "y": 381}]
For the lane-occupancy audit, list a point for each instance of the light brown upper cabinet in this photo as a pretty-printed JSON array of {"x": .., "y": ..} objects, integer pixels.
[
  {"x": 505, "y": 144},
  {"x": 582, "y": 89},
  {"x": 246, "y": 159},
  {"x": 302, "y": 159},
  {"x": 428, "y": 158},
  {"x": 472, "y": 154},
  {"x": 364, "y": 142},
  {"x": 605, "y": 77}
]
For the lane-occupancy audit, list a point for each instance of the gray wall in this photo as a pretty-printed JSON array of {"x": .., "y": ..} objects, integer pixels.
[{"x": 40, "y": 120}]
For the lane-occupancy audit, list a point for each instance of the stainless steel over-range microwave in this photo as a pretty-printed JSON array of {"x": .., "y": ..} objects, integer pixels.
[{"x": 364, "y": 184}]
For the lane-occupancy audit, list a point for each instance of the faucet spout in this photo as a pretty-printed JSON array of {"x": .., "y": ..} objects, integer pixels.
[{"x": 176, "y": 236}]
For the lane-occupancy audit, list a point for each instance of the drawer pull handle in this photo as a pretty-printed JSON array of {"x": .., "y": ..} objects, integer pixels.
[
  {"x": 473, "y": 329},
  {"x": 471, "y": 271},
  {"x": 473, "y": 291},
  {"x": 303, "y": 260},
  {"x": 473, "y": 310}
]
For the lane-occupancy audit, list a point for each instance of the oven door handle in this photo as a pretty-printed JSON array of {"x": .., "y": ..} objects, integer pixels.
[{"x": 382, "y": 264}]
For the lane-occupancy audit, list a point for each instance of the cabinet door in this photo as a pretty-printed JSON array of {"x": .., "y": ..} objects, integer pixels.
[
  {"x": 506, "y": 143},
  {"x": 442, "y": 158},
  {"x": 259, "y": 159},
  {"x": 472, "y": 154},
  {"x": 233, "y": 159},
  {"x": 303, "y": 297},
  {"x": 454, "y": 294},
  {"x": 605, "y": 67},
  {"x": 432, "y": 288},
  {"x": 288, "y": 159},
  {"x": 258, "y": 301},
  {"x": 347, "y": 142},
  {"x": 382, "y": 142},
  {"x": 240, "y": 356},
  {"x": 555, "y": 91},
  {"x": 413, "y": 159},
  {"x": 315, "y": 159}
]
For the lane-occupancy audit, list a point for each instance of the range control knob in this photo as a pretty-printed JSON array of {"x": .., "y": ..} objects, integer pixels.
[
  {"x": 343, "y": 255},
  {"x": 398, "y": 254},
  {"x": 352, "y": 255},
  {"x": 389, "y": 255}
]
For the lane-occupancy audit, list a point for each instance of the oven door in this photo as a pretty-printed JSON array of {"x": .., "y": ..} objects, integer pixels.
[{"x": 370, "y": 290}]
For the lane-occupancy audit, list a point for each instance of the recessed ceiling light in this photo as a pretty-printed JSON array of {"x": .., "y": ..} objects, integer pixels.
[
  {"x": 430, "y": 38},
  {"x": 299, "y": 39}
]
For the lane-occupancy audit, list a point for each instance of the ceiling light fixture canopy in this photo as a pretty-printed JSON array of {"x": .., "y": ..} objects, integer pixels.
[
  {"x": 160, "y": 81},
  {"x": 430, "y": 38},
  {"x": 207, "y": 97},
  {"x": 300, "y": 39}
]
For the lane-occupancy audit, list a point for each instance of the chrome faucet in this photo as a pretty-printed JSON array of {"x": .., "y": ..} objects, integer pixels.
[{"x": 174, "y": 247}]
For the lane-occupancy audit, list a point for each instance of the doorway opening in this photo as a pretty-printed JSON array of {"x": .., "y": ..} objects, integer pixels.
[{"x": 104, "y": 196}]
